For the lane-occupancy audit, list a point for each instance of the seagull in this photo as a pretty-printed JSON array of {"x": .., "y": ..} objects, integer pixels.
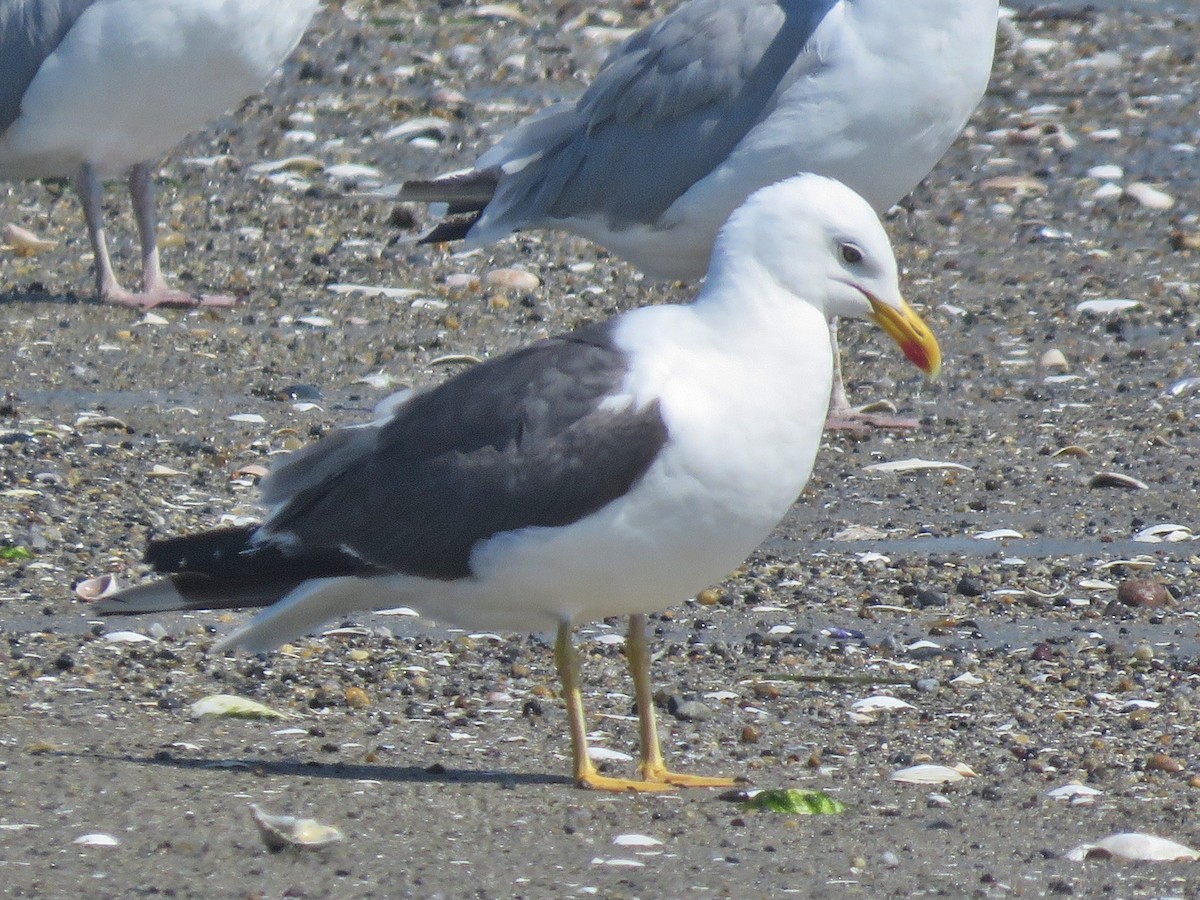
[
  {"x": 692, "y": 114},
  {"x": 613, "y": 470},
  {"x": 93, "y": 89}
]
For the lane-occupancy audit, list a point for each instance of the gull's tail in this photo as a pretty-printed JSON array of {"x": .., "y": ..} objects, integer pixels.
[
  {"x": 226, "y": 569},
  {"x": 465, "y": 194}
]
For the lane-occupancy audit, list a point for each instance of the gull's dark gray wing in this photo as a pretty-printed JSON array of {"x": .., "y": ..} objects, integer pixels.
[
  {"x": 30, "y": 30},
  {"x": 667, "y": 108},
  {"x": 522, "y": 440}
]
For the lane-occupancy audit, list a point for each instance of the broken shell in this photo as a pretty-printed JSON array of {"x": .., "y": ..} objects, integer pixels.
[
  {"x": 94, "y": 588},
  {"x": 1149, "y": 196},
  {"x": 1074, "y": 792},
  {"x": 232, "y": 706},
  {"x": 928, "y": 773},
  {"x": 636, "y": 840},
  {"x": 96, "y": 839},
  {"x": 1053, "y": 359},
  {"x": 1167, "y": 532},
  {"x": 1072, "y": 450},
  {"x": 1105, "y": 306},
  {"x": 24, "y": 242},
  {"x": 880, "y": 703},
  {"x": 1117, "y": 480},
  {"x": 998, "y": 534},
  {"x": 288, "y": 831},
  {"x": 127, "y": 637},
  {"x": 915, "y": 464},
  {"x": 1132, "y": 846}
]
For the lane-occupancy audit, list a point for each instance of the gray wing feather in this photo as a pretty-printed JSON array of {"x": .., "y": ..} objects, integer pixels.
[
  {"x": 515, "y": 442},
  {"x": 30, "y": 30},
  {"x": 668, "y": 106}
]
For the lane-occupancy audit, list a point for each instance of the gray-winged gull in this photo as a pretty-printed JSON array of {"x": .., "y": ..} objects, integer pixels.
[
  {"x": 691, "y": 114},
  {"x": 614, "y": 470},
  {"x": 93, "y": 89}
]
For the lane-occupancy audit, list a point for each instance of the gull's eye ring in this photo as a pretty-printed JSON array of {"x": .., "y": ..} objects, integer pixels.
[{"x": 851, "y": 254}]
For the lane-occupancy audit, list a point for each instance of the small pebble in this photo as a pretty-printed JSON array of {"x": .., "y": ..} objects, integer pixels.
[
  {"x": 1161, "y": 762},
  {"x": 1143, "y": 592},
  {"x": 688, "y": 710}
]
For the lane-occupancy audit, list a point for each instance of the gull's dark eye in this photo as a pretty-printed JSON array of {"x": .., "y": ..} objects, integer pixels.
[{"x": 851, "y": 254}]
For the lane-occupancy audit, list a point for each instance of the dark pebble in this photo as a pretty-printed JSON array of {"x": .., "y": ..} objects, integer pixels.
[
  {"x": 926, "y": 598},
  {"x": 970, "y": 586}
]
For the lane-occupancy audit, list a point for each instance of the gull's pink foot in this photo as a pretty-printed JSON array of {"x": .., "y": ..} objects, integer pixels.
[{"x": 166, "y": 297}]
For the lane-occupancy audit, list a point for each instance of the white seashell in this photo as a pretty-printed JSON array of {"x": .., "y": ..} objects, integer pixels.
[
  {"x": 315, "y": 321},
  {"x": 248, "y": 418},
  {"x": 127, "y": 637},
  {"x": 1132, "y": 846},
  {"x": 636, "y": 840},
  {"x": 379, "y": 380},
  {"x": 352, "y": 172},
  {"x": 1106, "y": 134},
  {"x": 397, "y": 611},
  {"x": 603, "y": 754},
  {"x": 1184, "y": 386},
  {"x": 288, "y": 164},
  {"x": 24, "y": 242},
  {"x": 95, "y": 588},
  {"x": 1037, "y": 45},
  {"x": 233, "y": 706},
  {"x": 1103, "y": 307},
  {"x": 1106, "y": 173},
  {"x": 1108, "y": 191},
  {"x": 288, "y": 831},
  {"x": 96, "y": 839},
  {"x": 610, "y": 639},
  {"x": 914, "y": 464},
  {"x": 617, "y": 861},
  {"x": 161, "y": 471},
  {"x": 923, "y": 645},
  {"x": 502, "y": 12},
  {"x": 1053, "y": 359},
  {"x": 153, "y": 318},
  {"x": 780, "y": 629},
  {"x": 722, "y": 695},
  {"x": 1073, "y": 791},
  {"x": 880, "y": 703},
  {"x": 1095, "y": 584},
  {"x": 1117, "y": 480},
  {"x": 928, "y": 773},
  {"x": 373, "y": 290},
  {"x": 969, "y": 679},
  {"x": 1149, "y": 196},
  {"x": 1164, "y": 533},
  {"x": 425, "y": 126},
  {"x": 998, "y": 534}
]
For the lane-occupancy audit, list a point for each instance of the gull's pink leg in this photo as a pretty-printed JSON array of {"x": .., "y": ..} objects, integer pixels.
[{"x": 842, "y": 416}]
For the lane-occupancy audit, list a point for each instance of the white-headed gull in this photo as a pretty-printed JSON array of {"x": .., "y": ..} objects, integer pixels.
[
  {"x": 614, "y": 470},
  {"x": 693, "y": 113}
]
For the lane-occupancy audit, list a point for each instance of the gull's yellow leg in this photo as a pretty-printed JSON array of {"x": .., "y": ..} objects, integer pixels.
[
  {"x": 586, "y": 775},
  {"x": 652, "y": 767}
]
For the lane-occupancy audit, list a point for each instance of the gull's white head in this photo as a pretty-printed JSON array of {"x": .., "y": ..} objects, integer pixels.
[{"x": 822, "y": 243}]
